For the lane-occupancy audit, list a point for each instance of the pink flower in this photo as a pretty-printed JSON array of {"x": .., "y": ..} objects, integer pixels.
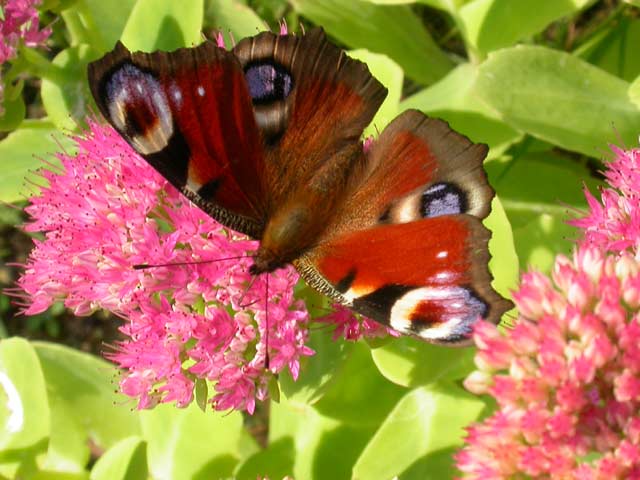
[
  {"x": 353, "y": 327},
  {"x": 613, "y": 222},
  {"x": 20, "y": 23},
  {"x": 566, "y": 377},
  {"x": 105, "y": 211}
]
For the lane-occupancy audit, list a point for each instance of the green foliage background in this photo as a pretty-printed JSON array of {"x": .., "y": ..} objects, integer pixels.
[{"x": 547, "y": 84}]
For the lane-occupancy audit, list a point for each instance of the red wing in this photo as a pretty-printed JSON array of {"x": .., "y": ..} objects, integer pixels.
[
  {"x": 189, "y": 114},
  {"x": 408, "y": 248}
]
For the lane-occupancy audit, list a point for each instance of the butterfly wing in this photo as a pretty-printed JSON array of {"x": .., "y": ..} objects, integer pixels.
[
  {"x": 408, "y": 248},
  {"x": 190, "y": 115},
  {"x": 312, "y": 103}
]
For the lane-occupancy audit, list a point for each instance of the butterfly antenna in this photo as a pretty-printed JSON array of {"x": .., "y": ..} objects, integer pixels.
[
  {"x": 244, "y": 292},
  {"x": 144, "y": 266}
]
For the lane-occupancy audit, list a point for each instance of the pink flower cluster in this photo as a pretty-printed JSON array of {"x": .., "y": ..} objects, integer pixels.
[
  {"x": 105, "y": 211},
  {"x": 614, "y": 223},
  {"x": 566, "y": 377},
  {"x": 20, "y": 23}
]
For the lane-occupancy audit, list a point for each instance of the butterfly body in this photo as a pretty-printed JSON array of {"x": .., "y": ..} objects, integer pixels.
[{"x": 266, "y": 138}]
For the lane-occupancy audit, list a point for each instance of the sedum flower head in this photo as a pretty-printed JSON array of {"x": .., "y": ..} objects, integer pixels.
[
  {"x": 20, "y": 23},
  {"x": 566, "y": 377},
  {"x": 613, "y": 222},
  {"x": 105, "y": 211}
]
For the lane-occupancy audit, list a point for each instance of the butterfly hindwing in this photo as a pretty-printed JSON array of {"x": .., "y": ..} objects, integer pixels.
[
  {"x": 426, "y": 278},
  {"x": 189, "y": 114},
  {"x": 408, "y": 248}
]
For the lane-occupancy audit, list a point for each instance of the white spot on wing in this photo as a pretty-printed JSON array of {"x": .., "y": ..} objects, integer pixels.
[
  {"x": 350, "y": 296},
  {"x": 201, "y": 90},
  {"x": 177, "y": 94},
  {"x": 407, "y": 210}
]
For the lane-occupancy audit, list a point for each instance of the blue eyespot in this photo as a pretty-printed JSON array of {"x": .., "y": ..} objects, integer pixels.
[
  {"x": 443, "y": 199},
  {"x": 268, "y": 82}
]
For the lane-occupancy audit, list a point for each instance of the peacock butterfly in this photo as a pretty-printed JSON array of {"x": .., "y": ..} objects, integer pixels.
[{"x": 266, "y": 138}]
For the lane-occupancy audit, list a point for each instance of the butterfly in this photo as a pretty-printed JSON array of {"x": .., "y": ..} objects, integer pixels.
[{"x": 266, "y": 138}]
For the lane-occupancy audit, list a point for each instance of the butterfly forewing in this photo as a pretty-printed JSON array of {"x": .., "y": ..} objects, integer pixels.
[
  {"x": 189, "y": 114},
  {"x": 313, "y": 115}
]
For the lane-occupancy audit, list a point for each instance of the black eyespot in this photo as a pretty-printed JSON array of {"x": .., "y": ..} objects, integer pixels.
[
  {"x": 443, "y": 199},
  {"x": 268, "y": 82}
]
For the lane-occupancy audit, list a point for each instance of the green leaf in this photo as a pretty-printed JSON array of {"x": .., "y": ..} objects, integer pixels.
[
  {"x": 183, "y": 443},
  {"x": 614, "y": 49},
  {"x": 201, "y": 393},
  {"x": 390, "y": 75},
  {"x": 448, "y": 5},
  {"x": 24, "y": 410},
  {"x": 491, "y": 24},
  {"x": 163, "y": 25},
  {"x": 348, "y": 397},
  {"x": 56, "y": 5},
  {"x": 393, "y": 30},
  {"x": 49, "y": 475},
  {"x": 423, "y": 425},
  {"x": 454, "y": 100},
  {"x": 540, "y": 182},
  {"x": 315, "y": 440},
  {"x": 107, "y": 19},
  {"x": 538, "y": 191},
  {"x": 316, "y": 372},
  {"x": 275, "y": 461},
  {"x": 634, "y": 92},
  {"x": 235, "y": 17},
  {"x": 543, "y": 238},
  {"x": 79, "y": 385},
  {"x": 14, "y": 112},
  {"x": 19, "y": 152},
  {"x": 126, "y": 460},
  {"x": 409, "y": 362},
  {"x": 65, "y": 95},
  {"x": 504, "y": 258},
  {"x": 559, "y": 98}
]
